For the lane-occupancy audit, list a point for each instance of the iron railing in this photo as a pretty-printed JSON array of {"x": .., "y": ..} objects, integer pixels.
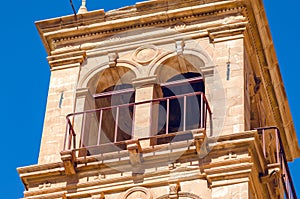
[
  {"x": 275, "y": 157},
  {"x": 94, "y": 120}
]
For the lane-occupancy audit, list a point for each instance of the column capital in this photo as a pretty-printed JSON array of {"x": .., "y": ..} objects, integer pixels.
[{"x": 82, "y": 92}]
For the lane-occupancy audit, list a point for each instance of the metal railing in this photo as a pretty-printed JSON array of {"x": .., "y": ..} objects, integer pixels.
[
  {"x": 271, "y": 142},
  {"x": 91, "y": 124}
]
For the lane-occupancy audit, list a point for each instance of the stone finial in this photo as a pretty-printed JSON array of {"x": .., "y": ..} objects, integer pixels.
[{"x": 82, "y": 8}]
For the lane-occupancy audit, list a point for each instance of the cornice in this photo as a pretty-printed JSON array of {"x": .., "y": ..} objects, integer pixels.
[
  {"x": 56, "y": 35},
  {"x": 229, "y": 158},
  {"x": 261, "y": 40},
  {"x": 66, "y": 60}
]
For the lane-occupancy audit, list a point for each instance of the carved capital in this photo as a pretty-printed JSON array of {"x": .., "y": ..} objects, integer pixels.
[
  {"x": 143, "y": 81},
  {"x": 83, "y": 92}
]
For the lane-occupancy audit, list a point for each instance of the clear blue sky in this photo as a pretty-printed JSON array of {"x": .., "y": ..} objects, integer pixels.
[{"x": 25, "y": 76}]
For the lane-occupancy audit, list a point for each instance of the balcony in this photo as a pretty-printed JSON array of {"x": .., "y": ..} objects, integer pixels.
[
  {"x": 88, "y": 141},
  {"x": 277, "y": 175},
  {"x": 172, "y": 119}
]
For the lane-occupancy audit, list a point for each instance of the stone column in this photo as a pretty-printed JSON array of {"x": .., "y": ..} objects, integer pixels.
[{"x": 145, "y": 118}]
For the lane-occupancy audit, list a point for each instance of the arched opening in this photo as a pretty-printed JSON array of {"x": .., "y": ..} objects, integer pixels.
[
  {"x": 184, "y": 104},
  {"x": 116, "y": 113},
  {"x": 108, "y": 117}
]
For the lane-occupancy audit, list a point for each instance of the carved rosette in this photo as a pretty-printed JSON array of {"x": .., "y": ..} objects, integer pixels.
[
  {"x": 137, "y": 193},
  {"x": 145, "y": 54}
]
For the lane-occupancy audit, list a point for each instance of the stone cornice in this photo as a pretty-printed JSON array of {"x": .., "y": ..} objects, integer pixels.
[
  {"x": 55, "y": 33},
  {"x": 66, "y": 60},
  {"x": 230, "y": 161},
  {"x": 259, "y": 34}
]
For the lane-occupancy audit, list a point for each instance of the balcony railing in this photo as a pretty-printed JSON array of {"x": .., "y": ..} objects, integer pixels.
[
  {"x": 274, "y": 155},
  {"x": 89, "y": 126},
  {"x": 115, "y": 125}
]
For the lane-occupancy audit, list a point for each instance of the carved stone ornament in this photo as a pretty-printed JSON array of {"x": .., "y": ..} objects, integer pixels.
[
  {"x": 145, "y": 54},
  {"x": 137, "y": 193},
  {"x": 181, "y": 195}
]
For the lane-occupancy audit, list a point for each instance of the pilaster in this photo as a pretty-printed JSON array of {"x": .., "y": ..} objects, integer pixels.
[
  {"x": 146, "y": 89},
  {"x": 65, "y": 69}
]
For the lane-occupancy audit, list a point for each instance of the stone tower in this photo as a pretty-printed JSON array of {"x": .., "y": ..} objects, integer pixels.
[{"x": 164, "y": 99}]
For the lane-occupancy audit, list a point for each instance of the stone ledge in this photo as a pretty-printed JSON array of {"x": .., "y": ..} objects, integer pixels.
[
  {"x": 231, "y": 168},
  {"x": 66, "y": 60}
]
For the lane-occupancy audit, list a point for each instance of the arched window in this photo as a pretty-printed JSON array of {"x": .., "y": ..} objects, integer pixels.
[
  {"x": 118, "y": 119},
  {"x": 183, "y": 105}
]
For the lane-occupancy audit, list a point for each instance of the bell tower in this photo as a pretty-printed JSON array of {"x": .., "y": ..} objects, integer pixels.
[{"x": 164, "y": 99}]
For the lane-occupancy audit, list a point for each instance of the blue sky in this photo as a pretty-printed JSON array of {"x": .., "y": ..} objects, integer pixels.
[{"x": 25, "y": 74}]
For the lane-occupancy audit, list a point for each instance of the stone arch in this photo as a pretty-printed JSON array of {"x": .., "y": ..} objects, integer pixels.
[
  {"x": 102, "y": 80},
  {"x": 197, "y": 58},
  {"x": 186, "y": 68},
  {"x": 181, "y": 195},
  {"x": 90, "y": 78}
]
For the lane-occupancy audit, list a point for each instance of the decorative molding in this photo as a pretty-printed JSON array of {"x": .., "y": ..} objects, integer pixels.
[
  {"x": 58, "y": 39},
  {"x": 83, "y": 92},
  {"x": 180, "y": 27},
  {"x": 227, "y": 32},
  {"x": 208, "y": 71},
  {"x": 66, "y": 60}
]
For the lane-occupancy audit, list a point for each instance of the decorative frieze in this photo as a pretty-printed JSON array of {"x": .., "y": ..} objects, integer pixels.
[{"x": 58, "y": 40}]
